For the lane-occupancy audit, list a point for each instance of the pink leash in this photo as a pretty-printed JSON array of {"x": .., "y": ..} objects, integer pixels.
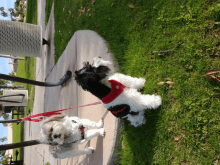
[{"x": 51, "y": 113}]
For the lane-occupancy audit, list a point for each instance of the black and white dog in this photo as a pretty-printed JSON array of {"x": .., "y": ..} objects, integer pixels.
[{"x": 117, "y": 92}]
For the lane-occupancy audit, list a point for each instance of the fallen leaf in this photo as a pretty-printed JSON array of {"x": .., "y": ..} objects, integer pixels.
[
  {"x": 160, "y": 83},
  {"x": 83, "y": 10},
  {"x": 131, "y": 6},
  {"x": 212, "y": 72},
  {"x": 176, "y": 138},
  {"x": 170, "y": 82}
]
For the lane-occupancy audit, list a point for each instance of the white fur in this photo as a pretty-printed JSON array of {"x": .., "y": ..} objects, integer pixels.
[
  {"x": 138, "y": 102},
  {"x": 70, "y": 132}
]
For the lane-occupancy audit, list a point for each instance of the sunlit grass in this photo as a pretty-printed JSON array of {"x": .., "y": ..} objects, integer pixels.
[{"x": 185, "y": 129}]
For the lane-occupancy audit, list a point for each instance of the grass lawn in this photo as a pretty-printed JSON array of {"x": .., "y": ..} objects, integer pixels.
[
  {"x": 185, "y": 129},
  {"x": 26, "y": 69}
]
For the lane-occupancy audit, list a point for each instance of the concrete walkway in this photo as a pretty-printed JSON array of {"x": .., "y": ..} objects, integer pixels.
[{"x": 83, "y": 46}]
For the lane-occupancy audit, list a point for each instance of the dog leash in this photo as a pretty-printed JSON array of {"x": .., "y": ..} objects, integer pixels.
[
  {"x": 106, "y": 112},
  {"x": 56, "y": 112}
]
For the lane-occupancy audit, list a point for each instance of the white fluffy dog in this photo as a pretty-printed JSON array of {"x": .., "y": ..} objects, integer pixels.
[
  {"x": 64, "y": 133},
  {"x": 118, "y": 92}
]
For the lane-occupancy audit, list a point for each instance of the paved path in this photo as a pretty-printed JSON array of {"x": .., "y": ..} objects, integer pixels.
[{"x": 83, "y": 46}]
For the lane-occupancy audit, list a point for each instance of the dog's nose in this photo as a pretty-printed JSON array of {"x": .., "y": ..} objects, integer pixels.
[{"x": 56, "y": 136}]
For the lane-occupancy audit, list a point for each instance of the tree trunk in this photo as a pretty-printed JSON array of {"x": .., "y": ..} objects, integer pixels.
[{"x": 18, "y": 145}]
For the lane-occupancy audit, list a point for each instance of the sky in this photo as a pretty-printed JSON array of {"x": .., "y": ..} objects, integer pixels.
[{"x": 4, "y": 66}]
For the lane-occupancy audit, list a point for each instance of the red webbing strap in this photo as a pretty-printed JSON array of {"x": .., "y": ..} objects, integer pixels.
[{"x": 51, "y": 113}]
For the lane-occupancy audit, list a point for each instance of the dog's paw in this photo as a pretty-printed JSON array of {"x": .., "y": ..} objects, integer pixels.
[
  {"x": 157, "y": 101},
  {"x": 100, "y": 124},
  {"x": 142, "y": 80},
  {"x": 102, "y": 132},
  {"x": 140, "y": 83},
  {"x": 90, "y": 150}
]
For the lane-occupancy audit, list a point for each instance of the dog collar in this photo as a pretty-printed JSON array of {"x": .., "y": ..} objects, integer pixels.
[
  {"x": 82, "y": 132},
  {"x": 116, "y": 90},
  {"x": 81, "y": 128}
]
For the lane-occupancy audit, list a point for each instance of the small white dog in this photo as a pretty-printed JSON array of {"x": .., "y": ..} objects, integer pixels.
[
  {"x": 118, "y": 92},
  {"x": 64, "y": 133}
]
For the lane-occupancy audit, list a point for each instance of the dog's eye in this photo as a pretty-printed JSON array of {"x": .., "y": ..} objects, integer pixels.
[{"x": 51, "y": 130}]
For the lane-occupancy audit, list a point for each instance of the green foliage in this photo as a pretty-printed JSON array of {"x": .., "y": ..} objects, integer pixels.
[
  {"x": 3, "y": 139},
  {"x": 185, "y": 129},
  {"x": 47, "y": 163},
  {"x": 5, "y": 159}
]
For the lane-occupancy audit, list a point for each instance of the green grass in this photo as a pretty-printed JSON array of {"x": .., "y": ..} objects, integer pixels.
[
  {"x": 48, "y": 9},
  {"x": 185, "y": 129},
  {"x": 31, "y": 14},
  {"x": 18, "y": 137},
  {"x": 26, "y": 69}
]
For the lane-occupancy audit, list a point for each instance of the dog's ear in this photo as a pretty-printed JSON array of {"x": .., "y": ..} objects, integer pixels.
[
  {"x": 102, "y": 69},
  {"x": 86, "y": 64},
  {"x": 54, "y": 118}
]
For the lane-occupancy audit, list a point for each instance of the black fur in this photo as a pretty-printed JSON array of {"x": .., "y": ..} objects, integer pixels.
[{"x": 89, "y": 79}]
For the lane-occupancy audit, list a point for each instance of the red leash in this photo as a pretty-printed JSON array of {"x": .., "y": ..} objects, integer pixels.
[{"x": 51, "y": 113}]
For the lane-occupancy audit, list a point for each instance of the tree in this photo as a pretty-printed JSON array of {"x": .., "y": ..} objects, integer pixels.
[
  {"x": 3, "y": 139},
  {"x": 3, "y": 158},
  {"x": 3, "y": 13},
  {"x": 13, "y": 12},
  {"x": 2, "y": 154}
]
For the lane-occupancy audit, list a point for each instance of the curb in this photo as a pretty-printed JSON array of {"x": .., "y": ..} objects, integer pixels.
[{"x": 114, "y": 155}]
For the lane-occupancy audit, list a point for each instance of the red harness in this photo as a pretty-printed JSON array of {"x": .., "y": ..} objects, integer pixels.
[
  {"x": 117, "y": 89},
  {"x": 115, "y": 112}
]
